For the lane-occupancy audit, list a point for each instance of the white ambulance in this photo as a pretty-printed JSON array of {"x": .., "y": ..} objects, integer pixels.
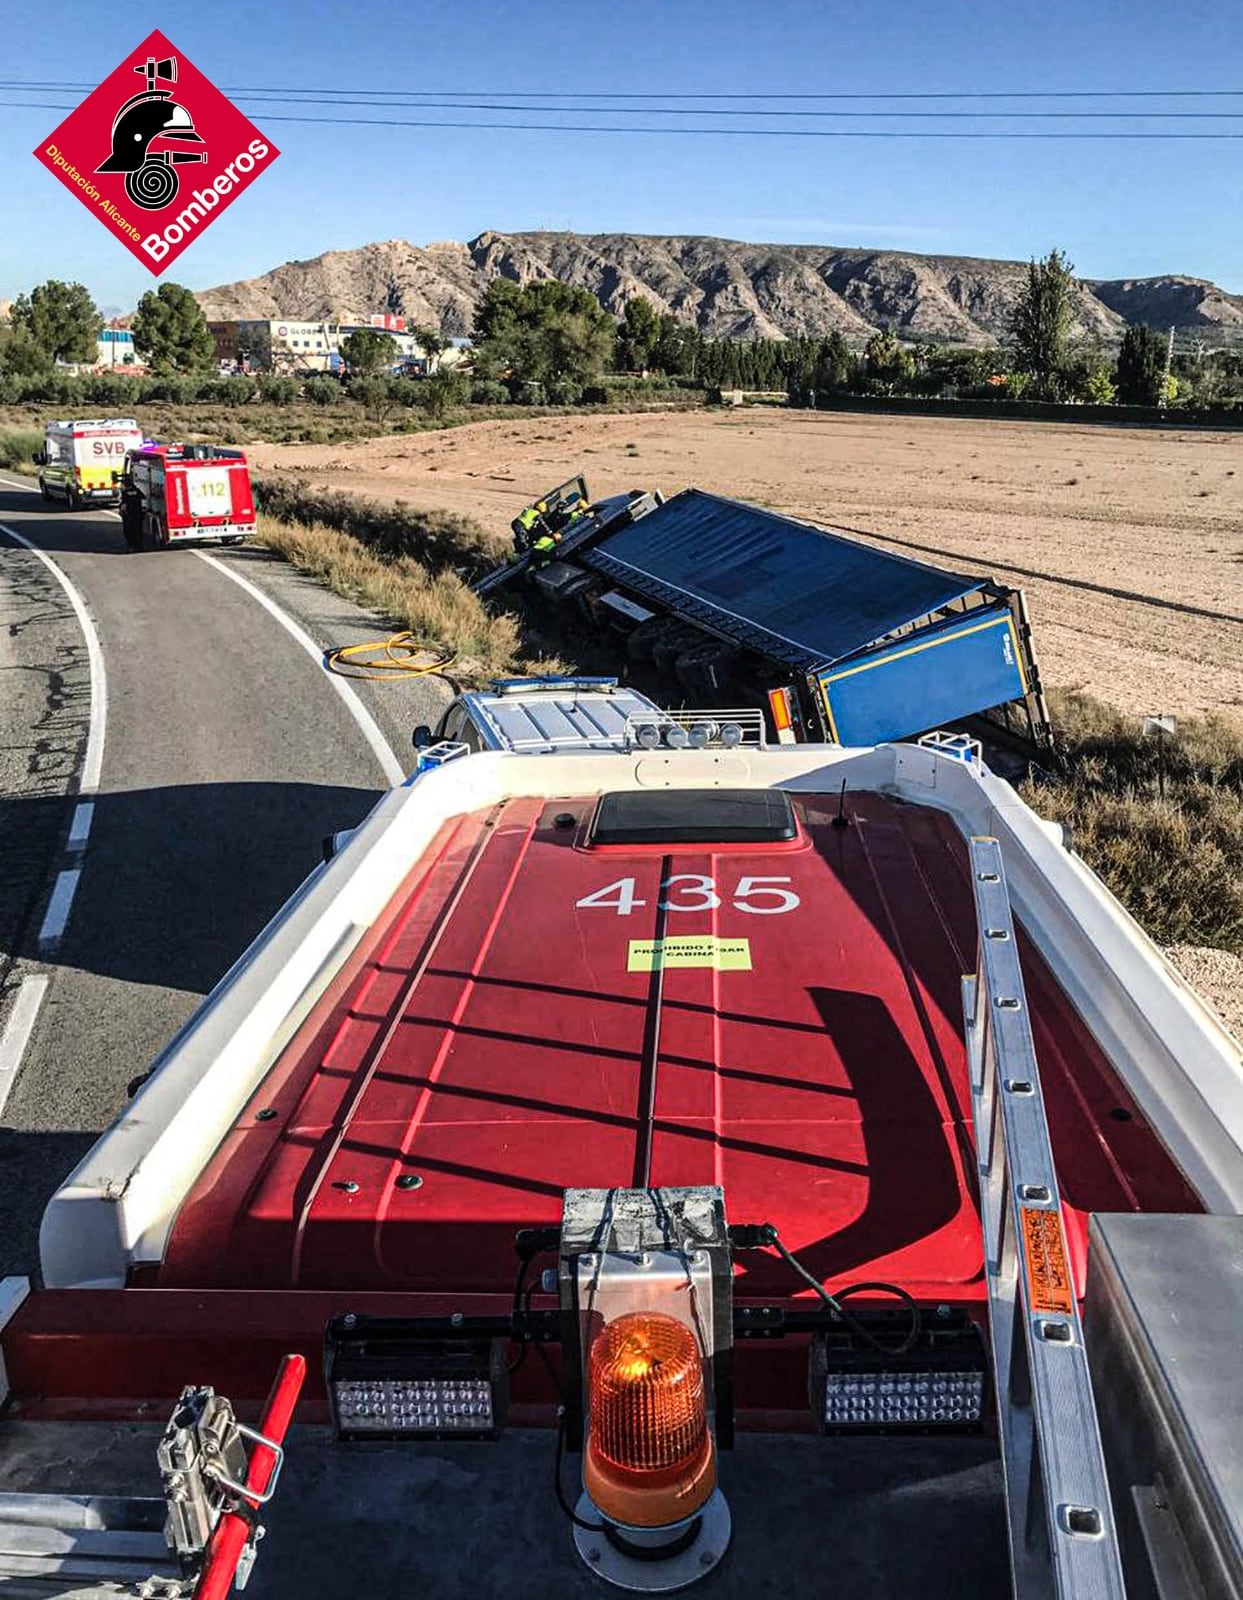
[{"x": 79, "y": 460}]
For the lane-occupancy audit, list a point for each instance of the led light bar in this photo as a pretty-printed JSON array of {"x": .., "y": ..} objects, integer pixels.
[
  {"x": 388, "y": 1380},
  {"x": 438, "y": 1406},
  {"x": 939, "y": 1384},
  {"x": 903, "y": 1399}
]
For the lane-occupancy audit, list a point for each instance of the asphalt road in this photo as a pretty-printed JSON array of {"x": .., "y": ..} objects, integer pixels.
[{"x": 227, "y": 757}]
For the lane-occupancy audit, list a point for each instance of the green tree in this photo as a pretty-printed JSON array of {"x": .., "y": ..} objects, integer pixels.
[
  {"x": 1141, "y": 367},
  {"x": 379, "y": 395},
  {"x": 170, "y": 331},
  {"x": 431, "y": 342},
  {"x": 254, "y": 346},
  {"x": 542, "y": 331},
  {"x": 888, "y": 364},
  {"x": 367, "y": 352},
  {"x": 638, "y": 334},
  {"x": 1040, "y": 321},
  {"x": 1098, "y": 387},
  {"x": 61, "y": 319},
  {"x": 20, "y": 355},
  {"x": 439, "y": 394}
]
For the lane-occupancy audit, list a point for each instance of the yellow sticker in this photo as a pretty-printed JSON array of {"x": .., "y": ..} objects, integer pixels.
[{"x": 690, "y": 950}]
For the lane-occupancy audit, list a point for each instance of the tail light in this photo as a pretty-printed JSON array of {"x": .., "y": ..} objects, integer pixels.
[
  {"x": 779, "y": 703},
  {"x": 649, "y": 1459}
]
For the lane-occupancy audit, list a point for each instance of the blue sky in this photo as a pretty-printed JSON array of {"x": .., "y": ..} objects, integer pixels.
[{"x": 1118, "y": 208}]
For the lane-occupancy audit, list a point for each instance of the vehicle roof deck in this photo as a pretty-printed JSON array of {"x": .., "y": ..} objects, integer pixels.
[{"x": 500, "y": 1036}]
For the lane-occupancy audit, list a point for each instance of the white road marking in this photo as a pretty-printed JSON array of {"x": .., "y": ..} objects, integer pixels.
[
  {"x": 93, "y": 761},
  {"x": 56, "y": 916},
  {"x": 394, "y": 772},
  {"x": 80, "y": 827},
  {"x": 17, "y": 1033}
]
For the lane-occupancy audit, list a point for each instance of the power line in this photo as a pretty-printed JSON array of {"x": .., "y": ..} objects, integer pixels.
[
  {"x": 732, "y": 132},
  {"x": 303, "y": 98},
  {"x": 450, "y": 96}
]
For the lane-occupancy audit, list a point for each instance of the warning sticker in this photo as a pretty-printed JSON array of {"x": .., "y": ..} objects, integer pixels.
[
  {"x": 1048, "y": 1271},
  {"x": 690, "y": 950}
]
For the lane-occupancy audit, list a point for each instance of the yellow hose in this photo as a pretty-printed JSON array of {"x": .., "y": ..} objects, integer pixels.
[{"x": 398, "y": 656}]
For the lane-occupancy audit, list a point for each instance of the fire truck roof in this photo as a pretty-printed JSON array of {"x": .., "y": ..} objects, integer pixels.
[{"x": 798, "y": 1040}]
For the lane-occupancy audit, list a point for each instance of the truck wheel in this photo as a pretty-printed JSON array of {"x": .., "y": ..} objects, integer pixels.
[
  {"x": 71, "y": 498},
  {"x": 672, "y": 644},
  {"x": 43, "y": 494},
  {"x": 640, "y": 640},
  {"x": 706, "y": 668}
]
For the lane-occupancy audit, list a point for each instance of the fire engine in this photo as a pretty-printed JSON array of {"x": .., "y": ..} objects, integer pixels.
[
  {"x": 183, "y": 493},
  {"x": 690, "y": 1160}
]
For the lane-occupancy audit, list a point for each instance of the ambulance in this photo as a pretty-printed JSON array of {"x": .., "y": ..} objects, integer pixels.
[{"x": 79, "y": 460}]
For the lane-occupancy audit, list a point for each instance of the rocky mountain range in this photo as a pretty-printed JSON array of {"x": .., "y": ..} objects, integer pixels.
[{"x": 724, "y": 287}]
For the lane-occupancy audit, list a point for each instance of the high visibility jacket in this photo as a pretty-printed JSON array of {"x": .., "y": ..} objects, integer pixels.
[{"x": 528, "y": 518}]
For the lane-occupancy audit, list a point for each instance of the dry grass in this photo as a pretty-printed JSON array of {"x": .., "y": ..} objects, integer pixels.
[
  {"x": 391, "y": 530},
  {"x": 437, "y": 607},
  {"x": 17, "y": 446},
  {"x": 1174, "y": 859}
]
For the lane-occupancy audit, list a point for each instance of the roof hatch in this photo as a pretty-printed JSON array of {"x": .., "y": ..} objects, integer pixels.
[{"x": 694, "y": 816}]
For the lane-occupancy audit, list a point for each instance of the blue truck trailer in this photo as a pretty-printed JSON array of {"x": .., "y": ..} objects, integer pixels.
[{"x": 852, "y": 644}]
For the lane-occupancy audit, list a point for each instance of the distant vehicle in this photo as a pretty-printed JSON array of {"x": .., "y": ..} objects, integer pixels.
[
  {"x": 543, "y": 716},
  {"x": 183, "y": 493},
  {"x": 79, "y": 460}
]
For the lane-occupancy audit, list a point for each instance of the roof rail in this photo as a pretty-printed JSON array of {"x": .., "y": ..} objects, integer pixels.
[
  {"x": 694, "y": 730},
  {"x": 1063, "y": 1541}
]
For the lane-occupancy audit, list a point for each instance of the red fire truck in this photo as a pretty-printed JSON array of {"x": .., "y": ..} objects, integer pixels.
[{"x": 178, "y": 493}]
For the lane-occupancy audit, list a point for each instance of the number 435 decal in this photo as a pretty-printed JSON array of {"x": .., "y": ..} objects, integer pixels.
[{"x": 690, "y": 891}]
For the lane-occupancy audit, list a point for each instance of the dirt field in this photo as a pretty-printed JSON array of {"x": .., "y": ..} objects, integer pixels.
[{"x": 1128, "y": 542}]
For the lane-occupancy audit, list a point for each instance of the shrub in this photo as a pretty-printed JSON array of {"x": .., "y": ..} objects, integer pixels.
[
  {"x": 323, "y": 391},
  {"x": 176, "y": 389},
  {"x": 18, "y": 447},
  {"x": 530, "y": 394},
  {"x": 488, "y": 392},
  {"x": 378, "y": 395},
  {"x": 278, "y": 391},
  {"x": 563, "y": 391}
]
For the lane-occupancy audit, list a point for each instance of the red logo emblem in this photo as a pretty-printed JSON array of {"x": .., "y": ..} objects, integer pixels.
[{"x": 157, "y": 156}]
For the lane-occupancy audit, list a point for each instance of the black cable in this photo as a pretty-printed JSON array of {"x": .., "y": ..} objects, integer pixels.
[
  {"x": 758, "y": 1236},
  {"x": 672, "y": 94},
  {"x": 559, "y": 1487},
  {"x": 725, "y": 133}
]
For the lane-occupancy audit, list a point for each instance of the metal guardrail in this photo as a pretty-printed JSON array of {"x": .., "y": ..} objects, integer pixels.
[{"x": 1063, "y": 1542}]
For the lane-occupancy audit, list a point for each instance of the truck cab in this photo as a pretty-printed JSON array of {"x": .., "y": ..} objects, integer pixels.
[
  {"x": 543, "y": 716},
  {"x": 177, "y": 493}
]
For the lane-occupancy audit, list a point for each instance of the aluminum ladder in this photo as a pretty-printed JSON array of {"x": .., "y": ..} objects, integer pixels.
[{"x": 1063, "y": 1542}]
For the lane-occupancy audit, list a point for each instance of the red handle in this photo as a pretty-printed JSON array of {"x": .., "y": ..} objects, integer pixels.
[{"x": 231, "y": 1532}]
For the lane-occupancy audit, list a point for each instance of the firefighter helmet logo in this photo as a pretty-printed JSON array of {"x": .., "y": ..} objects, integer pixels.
[
  {"x": 125, "y": 150},
  {"x": 152, "y": 115}
]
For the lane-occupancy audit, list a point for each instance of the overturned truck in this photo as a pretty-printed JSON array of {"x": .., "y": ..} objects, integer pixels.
[{"x": 853, "y": 645}]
